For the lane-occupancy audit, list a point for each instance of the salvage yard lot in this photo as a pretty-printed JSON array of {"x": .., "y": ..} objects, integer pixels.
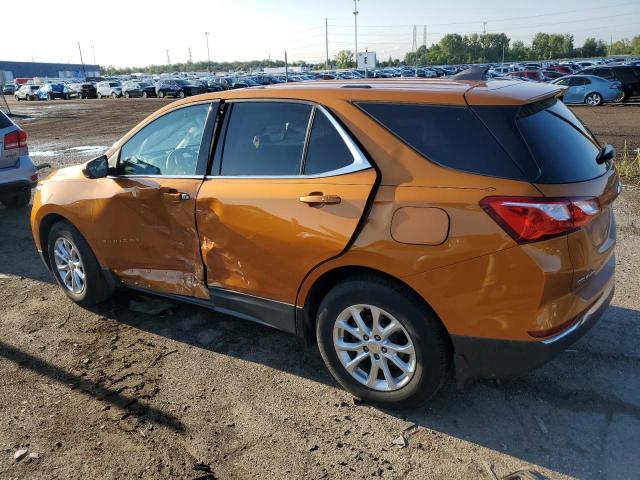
[{"x": 191, "y": 394}]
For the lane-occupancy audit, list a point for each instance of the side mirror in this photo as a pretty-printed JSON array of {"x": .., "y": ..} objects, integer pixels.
[
  {"x": 97, "y": 168},
  {"x": 608, "y": 152}
]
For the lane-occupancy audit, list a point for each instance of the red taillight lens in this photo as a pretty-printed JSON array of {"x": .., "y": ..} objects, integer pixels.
[
  {"x": 15, "y": 140},
  {"x": 531, "y": 219}
]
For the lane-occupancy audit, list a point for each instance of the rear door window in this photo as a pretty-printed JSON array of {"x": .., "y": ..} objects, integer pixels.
[
  {"x": 450, "y": 136},
  {"x": 4, "y": 121},
  {"x": 265, "y": 138},
  {"x": 326, "y": 150}
]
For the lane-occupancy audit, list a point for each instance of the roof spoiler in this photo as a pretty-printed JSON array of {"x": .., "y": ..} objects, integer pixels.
[{"x": 473, "y": 73}]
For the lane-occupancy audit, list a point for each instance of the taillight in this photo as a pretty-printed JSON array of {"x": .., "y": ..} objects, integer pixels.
[
  {"x": 16, "y": 139},
  {"x": 531, "y": 219}
]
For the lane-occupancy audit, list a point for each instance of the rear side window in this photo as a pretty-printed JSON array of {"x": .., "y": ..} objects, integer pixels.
[
  {"x": 627, "y": 75},
  {"x": 326, "y": 150},
  {"x": 449, "y": 136},
  {"x": 265, "y": 138},
  {"x": 562, "y": 147}
]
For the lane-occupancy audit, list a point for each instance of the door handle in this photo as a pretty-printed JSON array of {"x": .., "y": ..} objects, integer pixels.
[
  {"x": 315, "y": 199},
  {"x": 175, "y": 195}
]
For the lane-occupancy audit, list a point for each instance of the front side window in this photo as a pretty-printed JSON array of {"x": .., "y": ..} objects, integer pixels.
[
  {"x": 169, "y": 145},
  {"x": 265, "y": 138}
]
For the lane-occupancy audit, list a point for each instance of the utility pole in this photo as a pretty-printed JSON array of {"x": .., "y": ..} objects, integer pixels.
[
  {"x": 190, "y": 58},
  {"x": 355, "y": 17},
  {"x": 286, "y": 67},
  {"x": 503, "y": 53},
  {"x": 93, "y": 50},
  {"x": 206, "y": 34},
  {"x": 81, "y": 60},
  {"x": 168, "y": 59},
  {"x": 484, "y": 28},
  {"x": 326, "y": 42},
  {"x": 424, "y": 36}
]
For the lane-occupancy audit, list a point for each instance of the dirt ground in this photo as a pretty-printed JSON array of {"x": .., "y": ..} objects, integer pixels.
[{"x": 190, "y": 394}]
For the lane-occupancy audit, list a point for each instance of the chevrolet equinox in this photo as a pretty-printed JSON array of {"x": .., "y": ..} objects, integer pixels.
[{"x": 414, "y": 229}]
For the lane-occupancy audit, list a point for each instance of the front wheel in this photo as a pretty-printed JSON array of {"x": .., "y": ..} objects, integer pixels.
[
  {"x": 594, "y": 99},
  {"x": 145, "y": 94},
  {"x": 127, "y": 95},
  {"x": 99, "y": 96},
  {"x": 181, "y": 94},
  {"x": 160, "y": 94},
  {"x": 382, "y": 343},
  {"x": 75, "y": 266},
  {"x": 17, "y": 98}
]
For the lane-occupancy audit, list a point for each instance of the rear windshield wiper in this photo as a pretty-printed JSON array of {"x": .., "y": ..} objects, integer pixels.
[{"x": 606, "y": 153}]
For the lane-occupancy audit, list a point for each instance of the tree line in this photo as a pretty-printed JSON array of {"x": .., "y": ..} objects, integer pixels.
[{"x": 452, "y": 49}]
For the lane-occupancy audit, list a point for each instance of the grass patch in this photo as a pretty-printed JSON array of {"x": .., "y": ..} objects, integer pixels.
[{"x": 628, "y": 164}]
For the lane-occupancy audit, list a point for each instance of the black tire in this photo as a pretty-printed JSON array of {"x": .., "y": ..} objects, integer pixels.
[
  {"x": 17, "y": 98},
  {"x": 430, "y": 339},
  {"x": 96, "y": 288},
  {"x": 114, "y": 95},
  {"x": 145, "y": 95},
  {"x": 127, "y": 95},
  {"x": 16, "y": 200}
]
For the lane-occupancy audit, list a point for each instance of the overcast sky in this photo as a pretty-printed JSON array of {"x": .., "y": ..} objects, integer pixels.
[{"x": 137, "y": 33}]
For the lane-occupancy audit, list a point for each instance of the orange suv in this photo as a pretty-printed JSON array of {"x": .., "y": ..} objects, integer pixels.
[{"x": 413, "y": 228}]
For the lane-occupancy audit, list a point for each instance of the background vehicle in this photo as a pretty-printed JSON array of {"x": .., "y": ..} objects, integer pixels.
[
  {"x": 9, "y": 89},
  {"x": 177, "y": 88},
  {"x": 109, "y": 89},
  {"x": 535, "y": 75},
  {"x": 330, "y": 236},
  {"x": 51, "y": 91},
  {"x": 589, "y": 89},
  {"x": 88, "y": 90},
  {"x": 131, "y": 89},
  {"x": 27, "y": 92},
  {"x": 18, "y": 175},
  {"x": 628, "y": 76}
]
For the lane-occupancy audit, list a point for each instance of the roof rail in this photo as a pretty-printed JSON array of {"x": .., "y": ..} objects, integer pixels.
[
  {"x": 473, "y": 73},
  {"x": 356, "y": 86}
]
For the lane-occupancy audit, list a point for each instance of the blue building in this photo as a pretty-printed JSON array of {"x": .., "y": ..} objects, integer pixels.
[{"x": 11, "y": 70}]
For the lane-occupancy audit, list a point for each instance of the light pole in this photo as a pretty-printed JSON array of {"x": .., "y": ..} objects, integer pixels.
[
  {"x": 206, "y": 34},
  {"x": 355, "y": 17}
]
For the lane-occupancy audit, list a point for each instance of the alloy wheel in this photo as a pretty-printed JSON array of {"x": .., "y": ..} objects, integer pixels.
[
  {"x": 593, "y": 99},
  {"x": 70, "y": 266},
  {"x": 374, "y": 348}
]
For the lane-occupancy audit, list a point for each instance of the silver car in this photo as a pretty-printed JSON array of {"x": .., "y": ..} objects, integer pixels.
[
  {"x": 18, "y": 174},
  {"x": 589, "y": 89}
]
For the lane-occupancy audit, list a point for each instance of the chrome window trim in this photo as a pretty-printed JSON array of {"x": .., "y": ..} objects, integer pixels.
[
  {"x": 194, "y": 177},
  {"x": 359, "y": 163}
]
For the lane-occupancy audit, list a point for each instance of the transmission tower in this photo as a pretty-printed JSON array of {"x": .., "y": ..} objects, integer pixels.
[
  {"x": 414, "y": 45},
  {"x": 424, "y": 36}
]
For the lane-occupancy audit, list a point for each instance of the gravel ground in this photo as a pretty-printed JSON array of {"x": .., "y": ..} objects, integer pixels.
[{"x": 190, "y": 394}]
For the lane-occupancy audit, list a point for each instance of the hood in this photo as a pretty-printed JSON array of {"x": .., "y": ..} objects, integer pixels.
[{"x": 65, "y": 174}]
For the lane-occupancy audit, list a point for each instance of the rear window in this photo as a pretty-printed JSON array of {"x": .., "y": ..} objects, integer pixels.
[
  {"x": 562, "y": 147},
  {"x": 450, "y": 136}
]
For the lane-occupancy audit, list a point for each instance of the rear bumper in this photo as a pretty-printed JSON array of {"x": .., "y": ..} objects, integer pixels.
[
  {"x": 18, "y": 178},
  {"x": 489, "y": 358}
]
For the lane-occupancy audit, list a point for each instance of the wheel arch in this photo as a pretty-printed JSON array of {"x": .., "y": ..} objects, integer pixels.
[{"x": 307, "y": 315}]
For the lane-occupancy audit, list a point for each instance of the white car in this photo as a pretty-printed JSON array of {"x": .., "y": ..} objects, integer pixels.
[
  {"x": 18, "y": 174},
  {"x": 109, "y": 89}
]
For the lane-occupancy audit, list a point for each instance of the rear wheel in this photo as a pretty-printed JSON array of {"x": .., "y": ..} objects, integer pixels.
[
  {"x": 144, "y": 95},
  {"x": 17, "y": 98},
  {"x": 16, "y": 200},
  {"x": 382, "y": 343},
  {"x": 181, "y": 94},
  {"x": 127, "y": 95},
  {"x": 594, "y": 99},
  {"x": 99, "y": 95},
  {"x": 160, "y": 94},
  {"x": 75, "y": 266}
]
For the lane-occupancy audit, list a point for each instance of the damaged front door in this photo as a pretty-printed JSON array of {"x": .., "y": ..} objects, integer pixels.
[{"x": 144, "y": 216}]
